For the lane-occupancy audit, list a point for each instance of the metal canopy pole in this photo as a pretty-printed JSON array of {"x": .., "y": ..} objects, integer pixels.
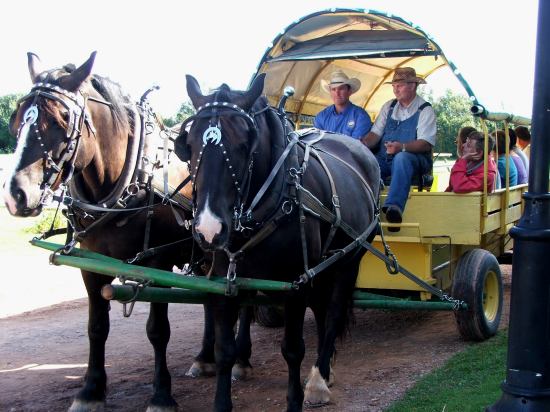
[{"x": 527, "y": 383}]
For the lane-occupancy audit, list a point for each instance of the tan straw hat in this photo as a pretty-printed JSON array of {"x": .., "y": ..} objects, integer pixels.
[
  {"x": 406, "y": 75},
  {"x": 339, "y": 78}
]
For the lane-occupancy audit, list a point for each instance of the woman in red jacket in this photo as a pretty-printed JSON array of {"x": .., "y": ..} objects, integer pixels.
[{"x": 467, "y": 172}]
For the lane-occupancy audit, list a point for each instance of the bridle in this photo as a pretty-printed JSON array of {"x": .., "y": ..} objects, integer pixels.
[
  {"x": 76, "y": 106},
  {"x": 213, "y": 135}
]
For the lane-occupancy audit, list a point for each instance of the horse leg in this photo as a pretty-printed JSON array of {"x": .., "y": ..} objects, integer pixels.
[
  {"x": 225, "y": 312},
  {"x": 158, "y": 332},
  {"x": 204, "y": 363},
  {"x": 293, "y": 349},
  {"x": 243, "y": 368},
  {"x": 92, "y": 396},
  {"x": 317, "y": 392},
  {"x": 320, "y": 314}
]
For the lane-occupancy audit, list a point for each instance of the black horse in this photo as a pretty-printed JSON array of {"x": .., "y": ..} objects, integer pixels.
[
  {"x": 278, "y": 205},
  {"x": 82, "y": 131}
]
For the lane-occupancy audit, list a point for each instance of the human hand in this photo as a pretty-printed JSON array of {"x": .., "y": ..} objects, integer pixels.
[
  {"x": 393, "y": 147},
  {"x": 472, "y": 156}
]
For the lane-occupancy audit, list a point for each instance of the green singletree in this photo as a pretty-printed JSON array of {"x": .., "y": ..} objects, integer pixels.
[{"x": 8, "y": 104}]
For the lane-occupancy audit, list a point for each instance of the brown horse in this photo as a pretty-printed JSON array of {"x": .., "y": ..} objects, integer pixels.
[{"x": 81, "y": 131}]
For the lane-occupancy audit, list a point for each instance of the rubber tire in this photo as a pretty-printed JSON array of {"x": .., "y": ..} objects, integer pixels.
[
  {"x": 269, "y": 316},
  {"x": 478, "y": 282}
]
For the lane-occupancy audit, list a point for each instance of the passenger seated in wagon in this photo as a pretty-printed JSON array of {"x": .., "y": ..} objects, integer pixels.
[
  {"x": 406, "y": 131},
  {"x": 467, "y": 172},
  {"x": 500, "y": 155},
  {"x": 343, "y": 116}
]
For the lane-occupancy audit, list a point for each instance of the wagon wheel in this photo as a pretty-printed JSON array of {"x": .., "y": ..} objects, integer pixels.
[
  {"x": 269, "y": 316},
  {"x": 478, "y": 282}
]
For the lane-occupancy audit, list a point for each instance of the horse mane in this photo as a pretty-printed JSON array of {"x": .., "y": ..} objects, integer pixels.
[{"x": 121, "y": 102}]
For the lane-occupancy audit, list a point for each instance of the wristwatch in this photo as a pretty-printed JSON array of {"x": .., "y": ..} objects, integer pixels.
[{"x": 403, "y": 148}]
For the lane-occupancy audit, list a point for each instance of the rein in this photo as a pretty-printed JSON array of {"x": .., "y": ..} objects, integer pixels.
[{"x": 300, "y": 197}]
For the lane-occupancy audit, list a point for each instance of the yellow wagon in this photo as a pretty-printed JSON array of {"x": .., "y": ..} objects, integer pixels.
[{"x": 449, "y": 241}]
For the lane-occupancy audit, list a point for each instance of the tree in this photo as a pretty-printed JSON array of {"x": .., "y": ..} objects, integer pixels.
[
  {"x": 8, "y": 104},
  {"x": 452, "y": 112},
  {"x": 186, "y": 110}
]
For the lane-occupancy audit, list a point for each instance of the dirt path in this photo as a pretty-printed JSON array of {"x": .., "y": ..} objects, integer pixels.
[{"x": 44, "y": 352}]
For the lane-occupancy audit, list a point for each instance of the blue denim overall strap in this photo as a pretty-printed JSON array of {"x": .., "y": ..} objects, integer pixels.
[{"x": 401, "y": 131}]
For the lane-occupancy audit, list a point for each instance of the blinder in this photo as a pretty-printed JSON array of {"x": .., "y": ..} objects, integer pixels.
[
  {"x": 180, "y": 146},
  {"x": 75, "y": 104},
  {"x": 213, "y": 135}
]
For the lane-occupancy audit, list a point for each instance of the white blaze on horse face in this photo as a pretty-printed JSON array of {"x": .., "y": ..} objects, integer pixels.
[
  {"x": 209, "y": 225},
  {"x": 22, "y": 144}
]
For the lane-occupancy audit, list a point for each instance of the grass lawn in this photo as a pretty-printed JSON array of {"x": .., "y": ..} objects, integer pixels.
[{"x": 469, "y": 381}]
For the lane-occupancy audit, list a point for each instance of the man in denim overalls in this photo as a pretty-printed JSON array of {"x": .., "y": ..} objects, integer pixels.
[{"x": 406, "y": 131}]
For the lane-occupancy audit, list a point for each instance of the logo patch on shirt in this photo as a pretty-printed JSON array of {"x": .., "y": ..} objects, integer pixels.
[{"x": 351, "y": 124}]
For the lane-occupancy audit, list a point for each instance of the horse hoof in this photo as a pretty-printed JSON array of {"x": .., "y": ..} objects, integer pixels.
[
  {"x": 317, "y": 392},
  {"x": 79, "y": 405},
  {"x": 241, "y": 373},
  {"x": 201, "y": 369}
]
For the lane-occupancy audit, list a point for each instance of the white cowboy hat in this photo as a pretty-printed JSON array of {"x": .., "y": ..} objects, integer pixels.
[{"x": 339, "y": 78}]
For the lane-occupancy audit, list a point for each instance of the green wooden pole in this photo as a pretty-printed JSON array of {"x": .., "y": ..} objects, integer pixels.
[
  {"x": 157, "y": 276},
  {"x": 402, "y": 304},
  {"x": 96, "y": 262},
  {"x": 174, "y": 295}
]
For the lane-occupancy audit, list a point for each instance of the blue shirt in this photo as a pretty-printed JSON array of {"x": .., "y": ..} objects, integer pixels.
[
  {"x": 502, "y": 171},
  {"x": 353, "y": 121}
]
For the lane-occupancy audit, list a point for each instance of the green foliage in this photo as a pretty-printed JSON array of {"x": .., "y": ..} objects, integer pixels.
[
  {"x": 469, "y": 381},
  {"x": 45, "y": 220},
  {"x": 452, "y": 112},
  {"x": 183, "y": 113},
  {"x": 8, "y": 104}
]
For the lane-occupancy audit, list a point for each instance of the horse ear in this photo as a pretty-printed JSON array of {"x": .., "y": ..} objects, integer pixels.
[
  {"x": 194, "y": 91},
  {"x": 255, "y": 90},
  {"x": 181, "y": 149},
  {"x": 35, "y": 68},
  {"x": 80, "y": 75}
]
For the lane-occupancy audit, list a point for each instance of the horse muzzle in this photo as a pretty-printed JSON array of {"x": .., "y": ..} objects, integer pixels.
[{"x": 21, "y": 203}]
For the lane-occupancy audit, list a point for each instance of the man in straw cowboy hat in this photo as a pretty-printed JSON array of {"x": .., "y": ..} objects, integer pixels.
[
  {"x": 406, "y": 131},
  {"x": 343, "y": 116}
]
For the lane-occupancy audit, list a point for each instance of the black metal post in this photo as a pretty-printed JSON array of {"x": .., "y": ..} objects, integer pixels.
[{"x": 527, "y": 384}]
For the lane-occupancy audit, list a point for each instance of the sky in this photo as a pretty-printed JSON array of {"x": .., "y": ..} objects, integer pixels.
[{"x": 144, "y": 43}]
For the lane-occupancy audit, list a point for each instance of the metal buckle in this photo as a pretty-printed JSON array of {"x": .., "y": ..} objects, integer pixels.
[
  {"x": 47, "y": 195},
  {"x": 287, "y": 207}
]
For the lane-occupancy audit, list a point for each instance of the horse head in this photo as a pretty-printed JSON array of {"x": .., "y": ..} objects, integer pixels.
[
  {"x": 56, "y": 135},
  {"x": 45, "y": 123},
  {"x": 220, "y": 146}
]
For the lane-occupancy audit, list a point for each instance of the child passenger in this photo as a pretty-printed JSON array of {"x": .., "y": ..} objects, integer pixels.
[{"x": 467, "y": 172}]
